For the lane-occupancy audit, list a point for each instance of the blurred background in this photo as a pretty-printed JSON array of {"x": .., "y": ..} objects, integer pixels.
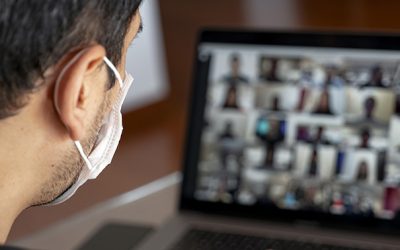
[{"x": 161, "y": 63}]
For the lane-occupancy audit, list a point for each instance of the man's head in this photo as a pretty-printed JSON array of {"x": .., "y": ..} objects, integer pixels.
[
  {"x": 35, "y": 36},
  {"x": 39, "y": 39}
]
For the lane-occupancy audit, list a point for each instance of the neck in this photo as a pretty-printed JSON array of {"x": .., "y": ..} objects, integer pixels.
[
  {"x": 13, "y": 201},
  {"x": 9, "y": 212},
  {"x": 18, "y": 165},
  {"x": 28, "y": 154}
]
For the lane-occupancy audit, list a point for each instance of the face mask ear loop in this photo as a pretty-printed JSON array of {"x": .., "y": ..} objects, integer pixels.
[
  {"x": 56, "y": 87},
  {"x": 77, "y": 143},
  {"x": 84, "y": 157},
  {"x": 112, "y": 67}
]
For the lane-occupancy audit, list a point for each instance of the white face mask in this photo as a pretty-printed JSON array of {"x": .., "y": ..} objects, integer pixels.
[{"x": 107, "y": 140}]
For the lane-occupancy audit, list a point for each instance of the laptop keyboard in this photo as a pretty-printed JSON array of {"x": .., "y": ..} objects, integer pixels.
[{"x": 196, "y": 239}]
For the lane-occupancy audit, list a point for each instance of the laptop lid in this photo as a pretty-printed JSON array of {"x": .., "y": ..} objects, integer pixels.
[{"x": 296, "y": 126}]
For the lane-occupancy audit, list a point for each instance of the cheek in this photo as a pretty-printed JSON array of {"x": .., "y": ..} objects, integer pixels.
[{"x": 111, "y": 98}]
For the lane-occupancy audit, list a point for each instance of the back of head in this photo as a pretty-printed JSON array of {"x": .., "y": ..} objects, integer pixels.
[{"x": 35, "y": 34}]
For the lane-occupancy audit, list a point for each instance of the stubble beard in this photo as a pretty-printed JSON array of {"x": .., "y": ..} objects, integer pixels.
[{"x": 67, "y": 171}]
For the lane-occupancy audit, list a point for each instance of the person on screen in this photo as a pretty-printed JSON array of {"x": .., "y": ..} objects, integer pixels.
[
  {"x": 368, "y": 120},
  {"x": 370, "y": 104},
  {"x": 369, "y": 107},
  {"x": 62, "y": 82},
  {"x": 268, "y": 68},
  {"x": 323, "y": 107},
  {"x": 269, "y": 130},
  {"x": 230, "y": 152},
  {"x": 362, "y": 171},
  {"x": 235, "y": 77},
  {"x": 365, "y": 138},
  {"x": 276, "y": 104},
  {"x": 270, "y": 133},
  {"x": 376, "y": 78},
  {"x": 231, "y": 98}
]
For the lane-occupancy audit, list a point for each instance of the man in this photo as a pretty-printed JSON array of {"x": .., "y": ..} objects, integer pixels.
[
  {"x": 369, "y": 120},
  {"x": 234, "y": 77},
  {"x": 62, "y": 81}
]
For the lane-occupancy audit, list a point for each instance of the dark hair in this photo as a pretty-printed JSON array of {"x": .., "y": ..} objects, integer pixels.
[
  {"x": 35, "y": 34},
  {"x": 370, "y": 101}
]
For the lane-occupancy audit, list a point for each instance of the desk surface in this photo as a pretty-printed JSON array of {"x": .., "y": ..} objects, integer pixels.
[{"x": 150, "y": 205}]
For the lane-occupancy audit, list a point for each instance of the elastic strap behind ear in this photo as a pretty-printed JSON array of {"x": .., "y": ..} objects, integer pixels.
[
  {"x": 83, "y": 155},
  {"x": 114, "y": 69},
  {"x": 56, "y": 87}
]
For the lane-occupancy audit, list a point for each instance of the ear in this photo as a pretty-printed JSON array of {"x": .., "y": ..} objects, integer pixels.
[{"x": 71, "y": 92}]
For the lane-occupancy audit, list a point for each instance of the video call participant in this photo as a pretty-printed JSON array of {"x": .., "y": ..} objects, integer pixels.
[
  {"x": 62, "y": 73},
  {"x": 365, "y": 137},
  {"x": 269, "y": 130},
  {"x": 235, "y": 77},
  {"x": 368, "y": 119},
  {"x": 376, "y": 78},
  {"x": 323, "y": 107},
  {"x": 369, "y": 107},
  {"x": 231, "y": 98},
  {"x": 268, "y": 68},
  {"x": 276, "y": 104},
  {"x": 230, "y": 147},
  {"x": 270, "y": 133},
  {"x": 362, "y": 171}
]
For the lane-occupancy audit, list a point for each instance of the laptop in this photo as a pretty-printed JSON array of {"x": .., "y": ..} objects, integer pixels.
[{"x": 293, "y": 142}]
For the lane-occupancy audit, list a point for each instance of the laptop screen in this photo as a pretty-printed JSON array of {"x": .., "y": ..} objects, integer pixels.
[{"x": 301, "y": 129}]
